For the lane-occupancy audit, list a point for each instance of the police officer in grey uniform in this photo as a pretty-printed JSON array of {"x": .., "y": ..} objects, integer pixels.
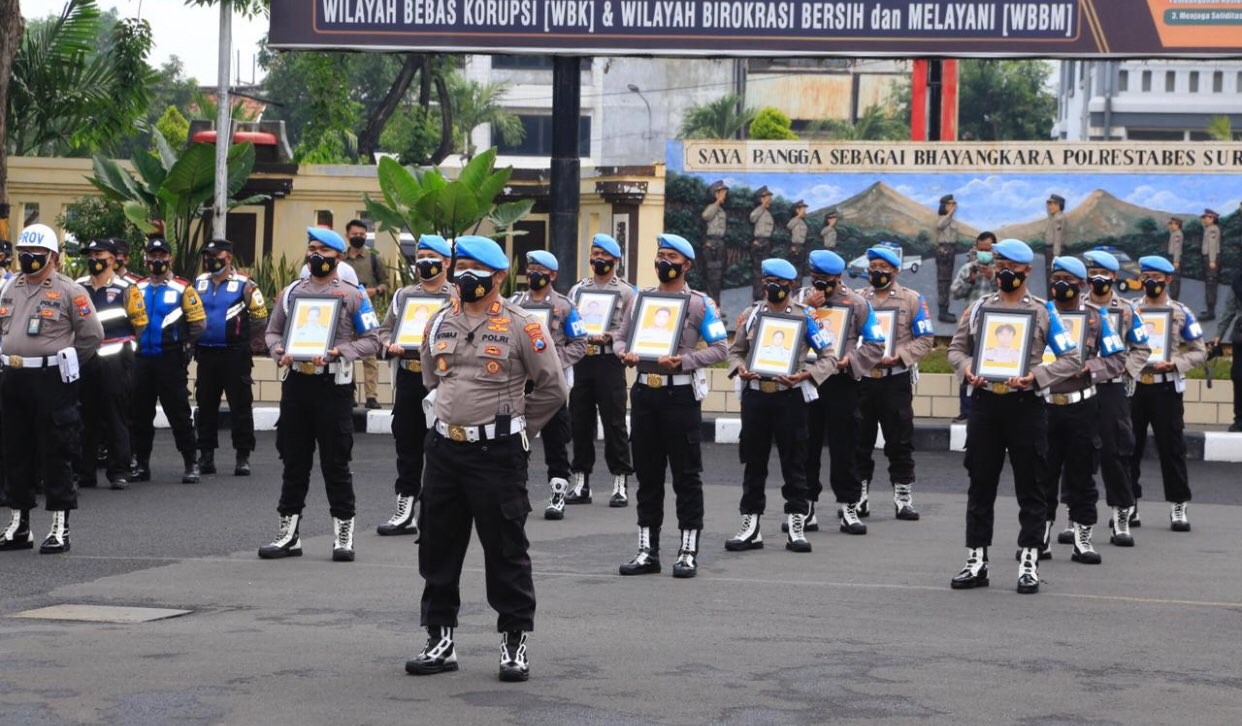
[
  {"x": 946, "y": 254},
  {"x": 761, "y": 218},
  {"x": 797, "y": 237},
  {"x": 49, "y": 328},
  {"x": 480, "y": 354},
  {"x": 1054, "y": 231},
  {"x": 1176, "y": 241},
  {"x": 1211, "y": 253},
  {"x": 829, "y": 233},
  {"x": 717, "y": 222}
]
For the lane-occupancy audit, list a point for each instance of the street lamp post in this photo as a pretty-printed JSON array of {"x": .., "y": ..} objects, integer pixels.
[{"x": 634, "y": 89}]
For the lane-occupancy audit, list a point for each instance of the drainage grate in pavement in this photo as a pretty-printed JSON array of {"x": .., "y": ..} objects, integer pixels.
[{"x": 101, "y": 613}]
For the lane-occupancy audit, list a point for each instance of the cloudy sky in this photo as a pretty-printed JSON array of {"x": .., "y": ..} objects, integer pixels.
[{"x": 190, "y": 33}]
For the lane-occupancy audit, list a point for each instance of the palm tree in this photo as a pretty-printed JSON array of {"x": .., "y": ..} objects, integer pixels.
[
  {"x": 477, "y": 103},
  {"x": 719, "y": 119},
  {"x": 875, "y": 124},
  {"x": 11, "y": 27},
  {"x": 1220, "y": 128}
]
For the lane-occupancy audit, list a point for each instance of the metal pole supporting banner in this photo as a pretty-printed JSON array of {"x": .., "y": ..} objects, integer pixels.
[
  {"x": 566, "y": 166},
  {"x": 224, "y": 134}
]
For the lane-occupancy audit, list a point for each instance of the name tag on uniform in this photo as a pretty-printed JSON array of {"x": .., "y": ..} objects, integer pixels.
[
  {"x": 170, "y": 296},
  {"x": 233, "y": 285},
  {"x": 202, "y": 286},
  {"x": 34, "y": 325}
]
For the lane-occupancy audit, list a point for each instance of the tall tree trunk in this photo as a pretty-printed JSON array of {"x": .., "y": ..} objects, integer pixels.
[
  {"x": 368, "y": 140},
  {"x": 424, "y": 82},
  {"x": 11, "y": 28},
  {"x": 446, "y": 122}
]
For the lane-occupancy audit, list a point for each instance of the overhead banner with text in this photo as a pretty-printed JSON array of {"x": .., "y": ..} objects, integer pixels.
[{"x": 891, "y": 28}]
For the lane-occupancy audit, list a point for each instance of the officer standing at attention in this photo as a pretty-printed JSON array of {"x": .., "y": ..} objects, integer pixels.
[
  {"x": 829, "y": 232},
  {"x": 107, "y": 377},
  {"x": 835, "y": 413},
  {"x": 666, "y": 414},
  {"x": 761, "y": 218},
  {"x": 1157, "y": 398},
  {"x": 236, "y": 320},
  {"x": 717, "y": 222},
  {"x": 599, "y": 384},
  {"x": 946, "y": 254},
  {"x": 797, "y": 237},
  {"x": 373, "y": 275},
  {"x": 485, "y": 351},
  {"x": 1116, "y": 429},
  {"x": 122, "y": 261},
  {"x": 317, "y": 400},
  {"x": 409, "y": 424},
  {"x": 1054, "y": 231},
  {"x": 1176, "y": 240},
  {"x": 1211, "y": 253},
  {"x": 570, "y": 340},
  {"x": 1009, "y": 416},
  {"x": 774, "y": 408},
  {"x": 49, "y": 328},
  {"x": 886, "y": 395},
  {"x": 177, "y": 319}
]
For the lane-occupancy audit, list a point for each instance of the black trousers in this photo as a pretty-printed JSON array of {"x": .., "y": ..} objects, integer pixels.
[
  {"x": 161, "y": 378},
  {"x": 714, "y": 262},
  {"x": 225, "y": 371},
  {"x": 315, "y": 410},
  {"x": 886, "y": 404},
  {"x": 946, "y": 255},
  {"x": 667, "y": 426},
  {"x": 104, "y": 394},
  {"x": 1235, "y": 375},
  {"x": 42, "y": 437},
  {"x": 834, "y": 416},
  {"x": 483, "y": 483},
  {"x": 599, "y": 384},
  {"x": 1159, "y": 405},
  {"x": 1209, "y": 286},
  {"x": 409, "y": 431},
  {"x": 1014, "y": 423},
  {"x": 555, "y": 436},
  {"x": 1073, "y": 455},
  {"x": 1116, "y": 432},
  {"x": 768, "y": 417}
]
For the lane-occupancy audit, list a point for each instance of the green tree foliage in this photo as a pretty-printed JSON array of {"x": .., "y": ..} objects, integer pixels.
[
  {"x": 770, "y": 123},
  {"x": 174, "y": 127},
  {"x": 719, "y": 119},
  {"x": 95, "y": 217},
  {"x": 475, "y": 104},
  {"x": 1006, "y": 100},
  {"x": 875, "y": 124},
  {"x": 1220, "y": 128}
]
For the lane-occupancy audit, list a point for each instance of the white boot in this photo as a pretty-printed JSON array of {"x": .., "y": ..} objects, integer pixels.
[
  {"x": 17, "y": 535},
  {"x": 1084, "y": 551},
  {"x": 1028, "y": 571},
  {"x": 619, "y": 496},
  {"x": 57, "y": 540},
  {"x": 556, "y": 503},
  {"x": 1120, "y": 524},
  {"x": 343, "y": 546},
  {"x": 402, "y": 521},
  {"x": 287, "y": 542},
  {"x": 1178, "y": 521},
  {"x": 863, "y": 506},
  {"x": 748, "y": 536}
]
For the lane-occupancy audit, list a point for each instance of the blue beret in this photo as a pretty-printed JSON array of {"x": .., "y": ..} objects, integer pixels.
[
  {"x": 677, "y": 243},
  {"x": 827, "y": 262},
  {"x": 1100, "y": 258},
  {"x": 1155, "y": 263},
  {"x": 325, "y": 237},
  {"x": 1072, "y": 265},
  {"x": 482, "y": 250},
  {"x": 607, "y": 244},
  {"x": 778, "y": 268},
  {"x": 543, "y": 257},
  {"x": 1014, "y": 250},
  {"x": 888, "y": 254},
  {"x": 435, "y": 243}
]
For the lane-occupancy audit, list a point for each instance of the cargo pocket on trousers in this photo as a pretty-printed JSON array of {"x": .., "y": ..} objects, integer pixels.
[
  {"x": 513, "y": 542},
  {"x": 67, "y": 431},
  {"x": 694, "y": 451}
]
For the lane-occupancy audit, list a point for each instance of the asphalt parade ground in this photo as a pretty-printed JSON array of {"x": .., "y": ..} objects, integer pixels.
[{"x": 861, "y": 628}]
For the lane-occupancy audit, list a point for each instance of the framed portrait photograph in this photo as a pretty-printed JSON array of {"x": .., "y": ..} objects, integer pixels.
[
  {"x": 1158, "y": 322},
  {"x": 1076, "y": 327},
  {"x": 1003, "y": 344},
  {"x": 888, "y": 323},
  {"x": 541, "y": 312},
  {"x": 774, "y": 350},
  {"x": 655, "y": 330},
  {"x": 311, "y": 327},
  {"x": 416, "y": 312},
  {"x": 834, "y": 322},
  {"x": 595, "y": 310}
]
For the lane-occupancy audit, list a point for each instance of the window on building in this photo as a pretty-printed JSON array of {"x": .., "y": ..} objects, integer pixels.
[
  {"x": 1123, "y": 81},
  {"x": 30, "y": 214},
  {"x": 1155, "y": 135},
  {"x": 1170, "y": 81},
  {"x": 538, "y": 139},
  {"x": 1218, "y": 82},
  {"x": 522, "y": 62},
  {"x": 1146, "y": 82},
  {"x": 1194, "y": 81},
  {"x": 323, "y": 218},
  {"x": 1239, "y": 82}
]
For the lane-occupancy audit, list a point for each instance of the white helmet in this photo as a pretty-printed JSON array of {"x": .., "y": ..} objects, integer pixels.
[{"x": 38, "y": 235}]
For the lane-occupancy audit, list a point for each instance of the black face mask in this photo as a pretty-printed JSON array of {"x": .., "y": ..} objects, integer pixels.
[
  {"x": 1064, "y": 290},
  {"x": 1101, "y": 285},
  {"x": 777, "y": 292},
  {"x": 4, "y": 264},
  {"x": 1010, "y": 280},
  {"x": 879, "y": 279},
  {"x": 668, "y": 271},
  {"x": 119, "y": 264},
  {"x": 428, "y": 268},
  {"x": 157, "y": 267},
  {"x": 826, "y": 286},
  {"x": 214, "y": 264},
  {"x": 601, "y": 266},
  {"x": 357, "y": 242},
  {"x": 1153, "y": 288},
  {"x": 538, "y": 280},
  {"x": 321, "y": 266},
  {"x": 473, "y": 286},
  {"x": 96, "y": 266},
  {"x": 31, "y": 263}
]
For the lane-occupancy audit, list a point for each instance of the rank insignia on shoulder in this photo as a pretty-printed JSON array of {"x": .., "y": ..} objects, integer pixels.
[{"x": 441, "y": 364}]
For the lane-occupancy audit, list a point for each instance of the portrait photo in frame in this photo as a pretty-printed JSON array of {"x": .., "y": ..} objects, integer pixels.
[
  {"x": 655, "y": 329},
  {"x": 1003, "y": 344},
  {"x": 834, "y": 322},
  {"x": 595, "y": 308},
  {"x": 774, "y": 350},
  {"x": 416, "y": 312},
  {"x": 1158, "y": 322},
  {"x": 311, "y": 328},
  {"x": 541, "y": 312},
  {"x": 888, "y": 323},
  {"x": 1075, "y": 325}
]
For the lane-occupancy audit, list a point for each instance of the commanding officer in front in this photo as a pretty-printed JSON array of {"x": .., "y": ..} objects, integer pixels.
[
  {"x": 886, "y": 395},
  {"x": 1157, "y": 398},
  {"x": 49, "y": 328},
  {"x": 480, "y": 354},
  {"x": 666, "y": 414},
  {"x": 1009, "y": 416},
  {"x": 176, "y": 321},
  {"x": 236, "y": 319},
  {"x": 317, "y": 399}
]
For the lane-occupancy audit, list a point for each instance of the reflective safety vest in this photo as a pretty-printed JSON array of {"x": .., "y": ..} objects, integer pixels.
[
  {"x": 228, "y": 312},
  {"x": 121, "y": 310}
]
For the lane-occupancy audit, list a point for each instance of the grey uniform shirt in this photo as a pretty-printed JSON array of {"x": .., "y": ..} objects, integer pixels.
[
  {"x": 482, "y": 364},
  {"x": 829, "y": 235},
  {"x": 946, "y": 228},
  {"x": 824, "y": 365},
  {"x": 716, "y": 219},
  {"x": 1099, "y": 368},
  {"x": 569, "y": 349},
  {"x": 1054, "y": 232},
  {"x": 908, "y": 304},
  {"x": 698, "y": 308},
  {"x": 962, "y": 347},
  {"x": 389, "y": 325},
  {"x": 1175, "y": 245},
  {"x": 67, "y": 318},
  {"x": 862, "y": 358},
  {"x": 797, "y": 230},
  {"x": 763, "y": 221},
  {"x": 1195, "y": 352},
  {"x": 625, "y": 295},
  {"x": 1211, "y": 242},
  {"x": 352, "y": 342},
  {"x": 1137, "y": 352}
]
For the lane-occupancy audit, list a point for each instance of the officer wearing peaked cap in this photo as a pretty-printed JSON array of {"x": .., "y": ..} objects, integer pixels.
[
  {"x": 480, "y": 354},
  {"x": 946, "y": 253},
  {"x": 1007, "y": 415},
  {"x": 764, "y": 226},
  {"x": 1054, "y": 231},
  {"x": 1177, "y": 239},
  {"x": 49, "y": 328},
  {"x": 1211, "y": 254},
  {"x": 409, "y": 425},
  {"x": 717, "y": 222},
  {"x": 797, "y": 236}
]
